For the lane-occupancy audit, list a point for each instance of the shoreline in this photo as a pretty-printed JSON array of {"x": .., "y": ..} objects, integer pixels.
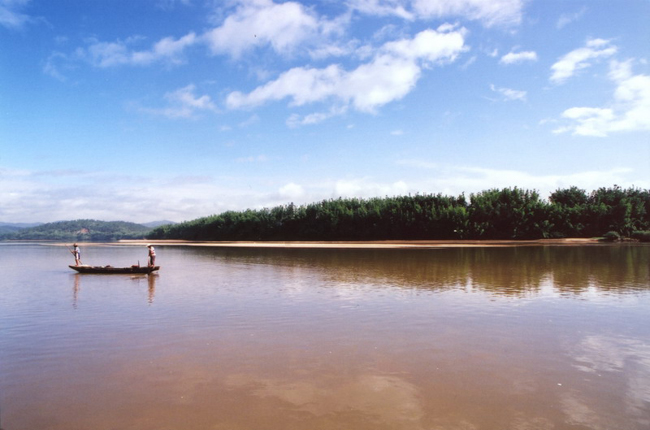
[
  {"x": 379, "y": 244},
  {"x": 382, "y": 244}
]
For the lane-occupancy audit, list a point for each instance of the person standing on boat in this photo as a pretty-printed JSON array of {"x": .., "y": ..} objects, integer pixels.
[
  {"x": 152, "y": 256},
  {"x": 77, "y": 255}
]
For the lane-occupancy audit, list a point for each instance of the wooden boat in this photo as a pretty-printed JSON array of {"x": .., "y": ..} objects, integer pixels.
[{"x": 110, "y": 270}]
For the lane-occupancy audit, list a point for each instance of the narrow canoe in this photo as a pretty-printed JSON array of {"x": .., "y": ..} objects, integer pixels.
[{"x": 110, "y": 270}]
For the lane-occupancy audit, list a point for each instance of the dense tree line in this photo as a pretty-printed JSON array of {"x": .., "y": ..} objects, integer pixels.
[
  {"x": 509, "y": 213},
  {"x": 85, "y": 230}
]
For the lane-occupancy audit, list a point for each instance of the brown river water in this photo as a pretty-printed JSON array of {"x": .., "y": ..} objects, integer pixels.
[{"x": 522, "y": 338}]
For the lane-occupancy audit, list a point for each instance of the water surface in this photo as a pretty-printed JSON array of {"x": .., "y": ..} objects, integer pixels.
[{"x": 463, "y": 338}]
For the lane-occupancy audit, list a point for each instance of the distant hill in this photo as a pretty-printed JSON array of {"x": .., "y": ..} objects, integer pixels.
[
  {"x": 82, "y": 230},
  {"x": 20, "y": 224},
  {"x": 12, "y": 227},
  {"x": 154, "y": 224}
]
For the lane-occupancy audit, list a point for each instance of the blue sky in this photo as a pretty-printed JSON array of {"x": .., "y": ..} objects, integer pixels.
[{"x": 177, "y": 109}]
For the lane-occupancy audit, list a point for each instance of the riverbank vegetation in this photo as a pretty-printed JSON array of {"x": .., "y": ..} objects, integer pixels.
[{"x": 508, "y": 213}]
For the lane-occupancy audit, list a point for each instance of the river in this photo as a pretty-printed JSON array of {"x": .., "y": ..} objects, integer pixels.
[{"x": 539, "y": 337}]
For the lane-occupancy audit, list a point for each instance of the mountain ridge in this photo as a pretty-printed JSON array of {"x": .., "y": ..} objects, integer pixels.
[{"x": 77, "y": 230}]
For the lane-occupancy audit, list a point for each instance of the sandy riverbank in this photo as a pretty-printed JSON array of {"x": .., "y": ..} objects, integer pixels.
[{"x": 370, "y": 244}]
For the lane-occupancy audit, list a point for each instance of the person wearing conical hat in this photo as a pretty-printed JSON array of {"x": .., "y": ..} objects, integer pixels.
[
  {"x": 152, "y": 256},
  {"x": 77, "y": 255}
]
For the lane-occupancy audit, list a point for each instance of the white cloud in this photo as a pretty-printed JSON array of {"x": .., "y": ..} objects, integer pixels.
[
  {"x": 366, "y": 188},
  {"x": 629, "y": 110},
  {"x": 283, "y": 26},
  {"x": 382, "y": 81},
  {"x": 587, "y": 121},
  {"x": 111, "y": 54},
  {"x": 303, "y": 85},
  {"x": 10, "y": 14},
  {"x": 389, "y": 76},
  {"x": 489, "y": 12},
  {"x": 291, "y": 191},
  {"x": 508, "y": 94},
  {"x": 167, "y": 48},
  {"x": 296, "y": 120},
  {"x": 435, "y": 46},
  {"x": 567, "y": 18},
  {"x": 254, "y": 23},
  {"x": 52, "y": 196},
  {"x": 184, "y": 103},
  {"x": 106, "y": 54},
  {"x": 620, "y": 71},
  {"x": 471, "y": 60},
  {"x": 52, "y": 65},
  {"x": 188, "y": 103},
  {"x": 170, "y": 4},
  {"x": 518, "y": 57},
  {"x": 27, "y": 196},
  {"x": 454, "y": 180},
  {"x": 580, "y": 59},
  {"x": 382, "y": 8}
]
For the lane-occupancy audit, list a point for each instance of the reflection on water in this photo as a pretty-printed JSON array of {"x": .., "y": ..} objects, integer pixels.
[
  {"x": 379, "y": 398},
  {"x": 136, "y": 279},
  {"x": 474, "y": 338},
  {"x": 505, "y": 271},
  {"x": 600, "y": 354}
]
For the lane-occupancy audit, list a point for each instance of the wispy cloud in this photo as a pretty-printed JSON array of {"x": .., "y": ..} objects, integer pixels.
[
  {"x": 183, "y": 103},
  {"x": 456, "y": 179},
  {"x": 508, "y": 94},
  {"x": 296, "y": 120},
  {"x": 628, "y": 111},
  {"x": 389, "y": 76},
  {"x": 568, "y": 18},
  {"x": 383, "y": 8},
  {"x": 55, "y": 62},
  {"x": 111, "y": 54},
  {"x": 11, "y": 14},
  {"x": 108, "y": 196},
  {"x": 489, "y": 12},
  {"x": 518, "y": 57},
  {"x": 284, "y": 27},
  {"x": 580, "y": 59},
  {"x": 170, "y": 4}
]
